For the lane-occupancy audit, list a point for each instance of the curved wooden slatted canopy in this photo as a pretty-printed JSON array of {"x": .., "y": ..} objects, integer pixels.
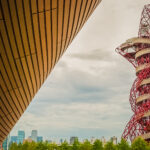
[{"x": 33, "y": 36}]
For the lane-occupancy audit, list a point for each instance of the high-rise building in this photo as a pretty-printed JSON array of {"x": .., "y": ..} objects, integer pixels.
[
  {"x": 72, "y": 139},
  {"x": 39, "y": 139},
  {"x": 92, "y": 140},
  {"x": 103, "y": 140},
  {"x": 13, "y": 139},
  {"x": 61, "y": 141},
  {"x": 29, "y": 140},
  {"x": 114, "y": 140},
  {"x": 34, "y": 135},
  {"x": 49, "y": 141},
  {"x": 6, "y": 143},
  {"x": 21, "y": 136}
]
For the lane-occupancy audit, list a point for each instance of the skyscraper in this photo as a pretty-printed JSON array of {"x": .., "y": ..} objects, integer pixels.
[
  {"x": 6, "y": 143},
  {"x": 72, "y": 139},
  {"x": 114, "y": 140},
  {"x": 34, "y": 135},
  {"x": 21, "y": 137},
  {"x": 39, "y": 139},
  {"x": 61, "y": 141},
  {"x": 13, "y": 139}
]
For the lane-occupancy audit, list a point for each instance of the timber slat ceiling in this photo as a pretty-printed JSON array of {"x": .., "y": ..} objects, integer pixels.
[{"x": 34, "y": 34}]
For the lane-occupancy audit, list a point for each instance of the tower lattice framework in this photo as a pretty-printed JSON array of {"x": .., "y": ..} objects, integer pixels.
[{"x": 137, "y": 52}]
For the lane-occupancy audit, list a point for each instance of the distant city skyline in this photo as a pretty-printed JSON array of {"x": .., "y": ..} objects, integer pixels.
[
  {"x": 20, "y": 136},
  {"x": 13, "y": 139},
  {"x": 34, "y": 135},
  {"x": 63, "y": 138},
  {"x": 85, "y": 94},
  {"x": 36, "y": 138}
]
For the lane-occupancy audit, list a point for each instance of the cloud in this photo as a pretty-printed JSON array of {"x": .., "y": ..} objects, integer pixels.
[
  {"x": 87, "y": 92},
  {"x": 76, "y": 116},
  {"x": 92, "y": 55}
]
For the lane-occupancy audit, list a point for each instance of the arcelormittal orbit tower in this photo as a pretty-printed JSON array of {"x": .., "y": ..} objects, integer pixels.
[{"x": 137, "y": 52}]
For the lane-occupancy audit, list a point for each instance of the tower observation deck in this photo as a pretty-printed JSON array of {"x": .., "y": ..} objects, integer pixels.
[{"x": 137, "y": 52}]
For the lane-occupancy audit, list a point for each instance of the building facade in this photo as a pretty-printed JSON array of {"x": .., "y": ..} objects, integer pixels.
[
  {"x": 34, "y": 34},
  {"x": 72, "y": 139},
  {"x": 39, "y": 139},
  {"x": 34, "y": 134},
  {"x": 13, "y": 139},
  {"x": 20, "y": 137},
  {"x": 6, "y": 143},
  {"x": 113, "y": 140}
]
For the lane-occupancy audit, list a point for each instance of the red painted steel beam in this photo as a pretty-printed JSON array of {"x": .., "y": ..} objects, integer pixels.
[{"x": 139, "y": 124}]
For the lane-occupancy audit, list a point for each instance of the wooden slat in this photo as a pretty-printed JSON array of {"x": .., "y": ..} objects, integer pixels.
[
  {"x": 5, "y": 119},
  {"x": 38, "y": 45},
  {"x": 71, "y": 20},
  {"x": 54, "y": 31},
  {"x": 33, "y": 36}
]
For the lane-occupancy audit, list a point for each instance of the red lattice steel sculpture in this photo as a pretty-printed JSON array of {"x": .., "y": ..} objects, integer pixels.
[{"x": 137, "y": 52}]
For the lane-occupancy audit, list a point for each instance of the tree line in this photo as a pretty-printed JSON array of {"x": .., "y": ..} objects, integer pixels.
[{"x": 138, "y": 144}]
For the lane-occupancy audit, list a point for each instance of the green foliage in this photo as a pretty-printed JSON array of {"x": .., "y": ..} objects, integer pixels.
[
  {"x": 25, "y": 146},
  {"x": 123, "y": 145},
  {"x": 65, "y": 146},
  {"x": 97, "y": 145},
  {"x": 86, "y": 145},
  {"x": 110, "y": 146},
  {"x": 138, "y": 144},
  {"x": 14, "y": 146},
  {"x": 76, "y": 145},
  {"x": 31, "y": 146},
  {"x": 42, "y": 146},
  {"x": 53, "y": 146}
]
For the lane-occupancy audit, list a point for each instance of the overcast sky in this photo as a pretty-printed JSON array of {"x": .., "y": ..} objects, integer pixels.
[{"x": 87, "y": 93}]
